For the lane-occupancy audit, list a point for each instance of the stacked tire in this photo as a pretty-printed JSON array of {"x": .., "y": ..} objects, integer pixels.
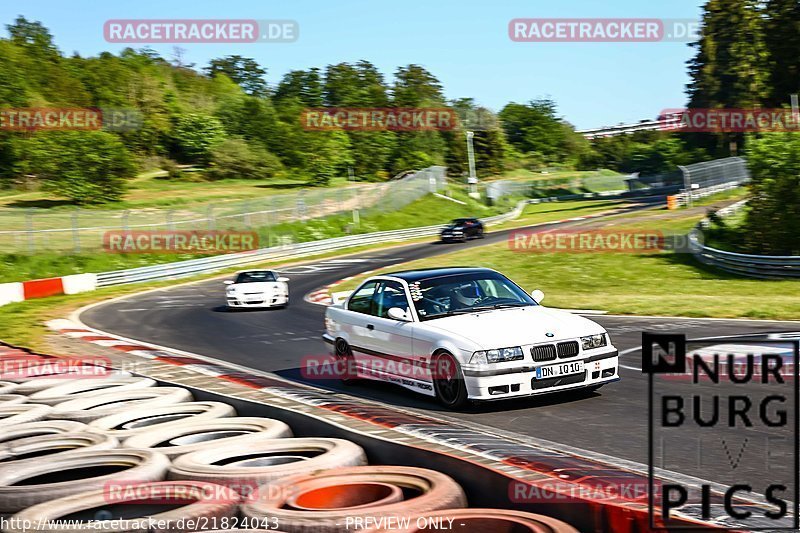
[{"x": 119, "y": 453}]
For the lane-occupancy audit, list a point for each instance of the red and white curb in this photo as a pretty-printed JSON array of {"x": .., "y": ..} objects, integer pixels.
[
  {"x": 41, "y": 288},
  {"x": 327, "y": 296}
]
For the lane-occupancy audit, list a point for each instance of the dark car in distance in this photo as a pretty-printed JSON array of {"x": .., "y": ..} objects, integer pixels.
[{"x": 462, "y": 229}]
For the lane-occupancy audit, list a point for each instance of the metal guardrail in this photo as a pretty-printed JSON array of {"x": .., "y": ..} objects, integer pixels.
[
  {"x": 754, "y": 266},
  {"x": 292, "y": 251}
]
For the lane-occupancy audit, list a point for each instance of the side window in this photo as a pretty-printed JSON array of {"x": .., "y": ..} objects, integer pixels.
[
  {"x": 389, "y": 294},
  {"x": 492, "y": 287},
  {"x": 361, "y": 300}
]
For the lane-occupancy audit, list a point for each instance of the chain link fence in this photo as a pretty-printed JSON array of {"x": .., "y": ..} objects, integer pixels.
[
  {"x": 709, "y": 177},
  {"x": 598, "y": 183},
  {"x": 34, "y": 230}
]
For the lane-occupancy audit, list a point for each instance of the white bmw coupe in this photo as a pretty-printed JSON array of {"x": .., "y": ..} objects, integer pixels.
[
  {"x": 463, "y": 334},
  {"x": 257, "y": 288}
]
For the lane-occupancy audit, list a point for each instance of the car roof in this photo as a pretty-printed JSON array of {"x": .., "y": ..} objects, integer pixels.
[{"x": 411, "y": 276}]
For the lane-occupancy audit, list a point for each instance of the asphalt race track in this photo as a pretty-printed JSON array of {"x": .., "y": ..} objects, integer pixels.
[{"x": 612, "y": 421}]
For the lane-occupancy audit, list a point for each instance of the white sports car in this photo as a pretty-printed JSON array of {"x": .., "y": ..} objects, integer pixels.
[
  {"x": 465, "y": 334},
  {"x": 257, "y": 288}
]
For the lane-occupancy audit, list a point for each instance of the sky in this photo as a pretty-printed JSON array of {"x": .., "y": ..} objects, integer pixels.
[{"x": 465, "y": 44}]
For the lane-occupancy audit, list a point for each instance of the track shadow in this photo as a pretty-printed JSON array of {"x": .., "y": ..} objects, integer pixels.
[
  {"x": 395, "y": 395},
  {"x": 226, "y": 309},
  {"x": 41, "y": 204}
]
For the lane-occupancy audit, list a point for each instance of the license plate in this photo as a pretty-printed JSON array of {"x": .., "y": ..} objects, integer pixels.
[{"x": 562, "y": 369}]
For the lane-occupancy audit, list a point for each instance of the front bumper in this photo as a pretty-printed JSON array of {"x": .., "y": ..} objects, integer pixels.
[
  {"x": 497, "y": 384},
  {"x": 251, "y": 300}
]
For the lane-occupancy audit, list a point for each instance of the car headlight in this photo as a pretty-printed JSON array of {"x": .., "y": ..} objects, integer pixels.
[
  {"x": 500, "y": 355},
  {"x": 594, "y": 341}
]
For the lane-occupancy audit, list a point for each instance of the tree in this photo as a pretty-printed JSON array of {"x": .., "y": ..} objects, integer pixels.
[
  {"x": 246, "y": 72},
  {"x": 535, "y": 128},
  {"x": 782, "y": 40},
  {"x": 415, "y": 87},
  {"x": 235, "y": 158},
  {"x": 305, "y": 85},
  {"x": 195, "y": 134},
  {"x": 85, "y": 166},
  {"x": 729, "y": 69},
  {"x": 32, "y": 35},
  {"x": 772, "y": 222},
  {"x": 354, "y": 85},
  {"x": 361, "y": 85},
  {"x": 326, "y": 154}
]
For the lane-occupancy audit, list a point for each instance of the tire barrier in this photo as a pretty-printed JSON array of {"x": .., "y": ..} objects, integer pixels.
[
  {"x": 35, "y": 429},
  {"x": 33, "y": 448},
  {"x": 325, "y": 501},
  {"x": 35, "y": 482},
  {"x": 130, "y": 423},
  {"x": 33, "y": 384},
  {"x": 189, "y": 502},
  {"x": 494, "y": 520},
  {"x": 7, "y": 387},
  {"x": 61, "y": 465},
  {"x": 266, "y": 461},
  {"x": 12, "y": 399},
  {"x": 84, "y": 388},
  {"x": 86, "y": 409},
  {"x": 22, "y": 413},
  {"x": 195, "y": 436}
]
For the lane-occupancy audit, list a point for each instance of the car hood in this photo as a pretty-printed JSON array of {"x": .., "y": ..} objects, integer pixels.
[
  {"x": 260, "y": 286},
  {"x": 516, "y": 326}
]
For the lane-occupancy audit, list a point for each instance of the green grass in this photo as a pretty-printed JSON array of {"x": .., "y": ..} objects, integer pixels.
[
  {"x": 637, "y": 284},
  {"x": 153, "y": 190},
  {"x": 550, "y": 211}
]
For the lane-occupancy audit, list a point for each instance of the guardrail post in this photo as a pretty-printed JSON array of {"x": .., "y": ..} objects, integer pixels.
[
  {"x": 210, "y": 223},
  {"x": 29, "y": 229},
  {"x": 76, "y": 236}
]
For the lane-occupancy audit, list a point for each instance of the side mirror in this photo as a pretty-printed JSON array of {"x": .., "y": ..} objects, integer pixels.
[
  {"x": 228, "y": 282},
  {"x": 283, "y": 280},
  {"x": 398, "y": 314},
  {"x": 537, "y": 295}
]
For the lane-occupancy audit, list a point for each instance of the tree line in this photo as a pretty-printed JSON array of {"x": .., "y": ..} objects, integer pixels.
[
  {"x": 749, "y": 57},
  {"x": 229, "y": 121}
]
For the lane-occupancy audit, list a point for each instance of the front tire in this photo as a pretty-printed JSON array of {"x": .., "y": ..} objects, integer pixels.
[
  {"x": 448, "y": 381},
  {"x": 344, "y": 357}
]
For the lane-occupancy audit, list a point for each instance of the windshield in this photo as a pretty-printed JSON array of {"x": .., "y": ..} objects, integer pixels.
[
  {"x": 457, "y": 222},
  {"x": 255, "y": 277},
  {"x": 466, "y": 293}
]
